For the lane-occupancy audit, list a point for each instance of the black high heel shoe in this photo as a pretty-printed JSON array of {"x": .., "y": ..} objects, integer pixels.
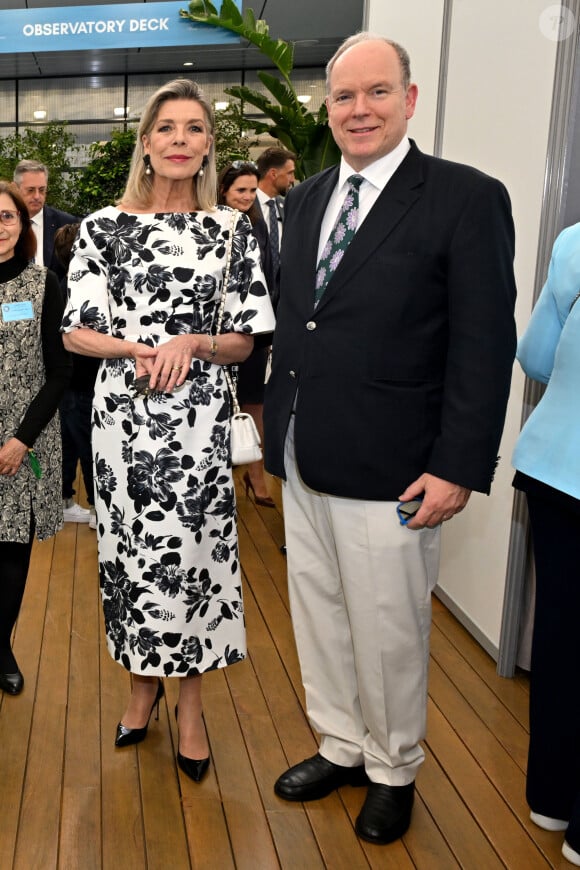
[
  {"x": 130, "y": 736},
  {"x": 193, "y": 768},
  {"x": 263, "y": 500}
]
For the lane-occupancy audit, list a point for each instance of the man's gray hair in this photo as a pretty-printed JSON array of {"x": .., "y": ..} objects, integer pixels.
[
  {"x": 29, "y": 166},
  {"x": 367, "y": 36}
]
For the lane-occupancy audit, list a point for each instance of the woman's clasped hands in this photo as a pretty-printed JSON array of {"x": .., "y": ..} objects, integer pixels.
[{"x": 168, "y": 364}]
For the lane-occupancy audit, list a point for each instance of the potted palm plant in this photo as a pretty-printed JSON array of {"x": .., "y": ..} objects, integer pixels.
[{"x": 305, "y": 133}]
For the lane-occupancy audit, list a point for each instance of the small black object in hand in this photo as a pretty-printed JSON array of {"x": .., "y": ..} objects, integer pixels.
[{"x": 141, "y": 386}]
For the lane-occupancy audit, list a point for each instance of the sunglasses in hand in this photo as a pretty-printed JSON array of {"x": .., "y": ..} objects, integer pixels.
[
  {"x": 141, "y": 388},
  {"x": 406, "y": 510}
]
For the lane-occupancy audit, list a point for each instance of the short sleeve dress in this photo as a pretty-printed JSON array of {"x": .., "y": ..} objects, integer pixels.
[{"x": 164, "y": 494}]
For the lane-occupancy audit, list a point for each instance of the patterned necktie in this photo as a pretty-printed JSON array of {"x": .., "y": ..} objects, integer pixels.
[
  {"x": 274, "y": 234},
  {"x": 340, "y": 237}
]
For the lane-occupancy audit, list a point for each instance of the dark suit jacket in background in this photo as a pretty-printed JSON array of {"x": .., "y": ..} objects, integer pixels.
[
  {"x": 260, "y": 230},
  {"x": 405, "y": 366},
  {"x": 274, "y": 280},
  {"x": 53, "y": 220},
  {"x": 279, "y": 204}
]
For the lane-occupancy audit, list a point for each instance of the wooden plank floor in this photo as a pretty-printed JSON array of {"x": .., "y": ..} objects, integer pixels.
[{"x": 70, "y": 800}]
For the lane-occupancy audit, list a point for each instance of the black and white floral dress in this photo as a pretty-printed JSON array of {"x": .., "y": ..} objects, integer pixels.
[{"x": 168, "y": 549}]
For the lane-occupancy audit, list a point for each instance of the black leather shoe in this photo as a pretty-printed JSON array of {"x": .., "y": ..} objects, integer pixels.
[
  {"x": 315, "y": 778},
  {"x": 386, "y": 812},
  {"x": 12, "y": 684}
]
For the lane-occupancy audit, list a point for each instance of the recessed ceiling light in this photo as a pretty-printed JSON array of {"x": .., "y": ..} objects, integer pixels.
[
  {"x": 121, "y": 111},
  {"x": 221, "y": 105},
  {"x": 188, "y": 63},
  {"x": 304, "y": 98},
  {"x": 39, "y": 115}
]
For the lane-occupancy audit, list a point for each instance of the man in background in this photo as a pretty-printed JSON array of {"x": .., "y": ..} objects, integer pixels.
[
  {"x": 391, "y": 367},
  {"x": 31, "y": 178},
  {"x": 76, "y": 407},
  {"x": 277, "y": 168}
]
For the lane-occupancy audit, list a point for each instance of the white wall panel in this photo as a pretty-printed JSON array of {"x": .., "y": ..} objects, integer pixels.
[
  {"x": 416, "y": 25},
  {"x": 497, "y": 113}
]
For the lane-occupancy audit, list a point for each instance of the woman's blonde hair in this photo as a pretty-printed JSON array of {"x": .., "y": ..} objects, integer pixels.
[{"x": 139, "y": 185}]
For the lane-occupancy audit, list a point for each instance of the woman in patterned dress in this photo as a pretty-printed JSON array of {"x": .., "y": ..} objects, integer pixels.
[
  {"x": 145, "y": 283},
  {"x": 34, "y": 374}
]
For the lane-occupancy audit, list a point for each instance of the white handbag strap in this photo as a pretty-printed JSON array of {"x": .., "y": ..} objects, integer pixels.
[
  {"x": 222, "y": 305},
  {"x": 232, "y": 389},
  {"x": 226, "y": 278}
]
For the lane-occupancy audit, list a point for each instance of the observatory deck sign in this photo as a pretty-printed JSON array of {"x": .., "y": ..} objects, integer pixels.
[{"x": 126, "y": 25}]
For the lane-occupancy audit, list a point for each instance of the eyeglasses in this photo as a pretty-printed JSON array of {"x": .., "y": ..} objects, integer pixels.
[
  {"x": 406, "y": 510},
  {"x": 9, "y": 218},
  {"x": 237, "y": 164}
]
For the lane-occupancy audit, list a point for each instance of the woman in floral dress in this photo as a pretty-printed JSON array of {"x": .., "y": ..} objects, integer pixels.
[{"x": 145, "y": 283}]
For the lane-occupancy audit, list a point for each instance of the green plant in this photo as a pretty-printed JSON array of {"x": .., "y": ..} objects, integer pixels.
[
  {"x": 52, "y": 145},
  {"x": 230, "y": 142},
  {"x": 305, "y": 133},
  {"x": 103, "y": 180}
]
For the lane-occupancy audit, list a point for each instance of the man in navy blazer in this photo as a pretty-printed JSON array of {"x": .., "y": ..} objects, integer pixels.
[
  {"x": 31, "y": 178},
  {"x": 393, "y": 387}
]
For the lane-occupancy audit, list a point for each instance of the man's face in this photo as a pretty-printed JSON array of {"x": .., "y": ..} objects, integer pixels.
[
  {"x": 33, "y": 191},
  {"x": 368, "y": 108},
  {"x": 284, "y": 177}
]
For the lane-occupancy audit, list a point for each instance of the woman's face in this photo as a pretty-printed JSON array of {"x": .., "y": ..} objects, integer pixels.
[
  {"x": 10, "y": 227},
  {"x": 242, "y": 193},
  {"x": 179, "y": 140}
]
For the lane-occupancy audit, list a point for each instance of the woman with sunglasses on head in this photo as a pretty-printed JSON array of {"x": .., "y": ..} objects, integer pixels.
[
  {"x": 547, "y": 462},
  {"x": 237, "y": 187},
  {"x": 145, "y": 285},
  {"x": 35, "y": 372}
]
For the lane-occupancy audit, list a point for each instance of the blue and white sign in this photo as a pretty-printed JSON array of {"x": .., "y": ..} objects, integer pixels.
[{"x": 127, "y": 25}]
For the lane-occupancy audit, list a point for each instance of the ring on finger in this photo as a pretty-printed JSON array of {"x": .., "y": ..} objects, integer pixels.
[{"x": 176, "y": 368}]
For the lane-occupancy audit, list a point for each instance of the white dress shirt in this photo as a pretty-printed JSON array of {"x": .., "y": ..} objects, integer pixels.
[
  {"x": 376, "y": 176},
  {"x": 38, "y": 227}
]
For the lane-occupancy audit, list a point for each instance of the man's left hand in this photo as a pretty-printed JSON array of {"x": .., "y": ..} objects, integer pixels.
[{"x": 441, "y": 500}]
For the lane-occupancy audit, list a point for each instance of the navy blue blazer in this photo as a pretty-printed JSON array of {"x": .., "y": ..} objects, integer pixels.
[{"x": 405, "y": 365}]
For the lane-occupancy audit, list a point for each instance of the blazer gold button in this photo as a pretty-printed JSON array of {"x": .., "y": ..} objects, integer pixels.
[{"x": 311, "y": 325}]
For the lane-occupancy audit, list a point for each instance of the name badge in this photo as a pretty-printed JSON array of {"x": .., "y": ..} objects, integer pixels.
[{"x": 17, "y": 311}]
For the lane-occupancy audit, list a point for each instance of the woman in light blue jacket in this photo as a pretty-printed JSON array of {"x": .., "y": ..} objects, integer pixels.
[{"x": 547, "y": 462}]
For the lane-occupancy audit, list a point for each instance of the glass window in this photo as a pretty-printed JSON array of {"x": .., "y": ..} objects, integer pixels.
[
  {"x": 7, "y": 103},
  {"x": 70, "y": 99},
  {"x": 94, "y": 105},
  {"x": 306, "y": 82},
  {"x": 141, "y": 87}
]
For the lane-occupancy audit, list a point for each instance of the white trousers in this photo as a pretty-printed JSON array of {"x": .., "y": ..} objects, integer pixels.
[{"x": 360, "y": 594}]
